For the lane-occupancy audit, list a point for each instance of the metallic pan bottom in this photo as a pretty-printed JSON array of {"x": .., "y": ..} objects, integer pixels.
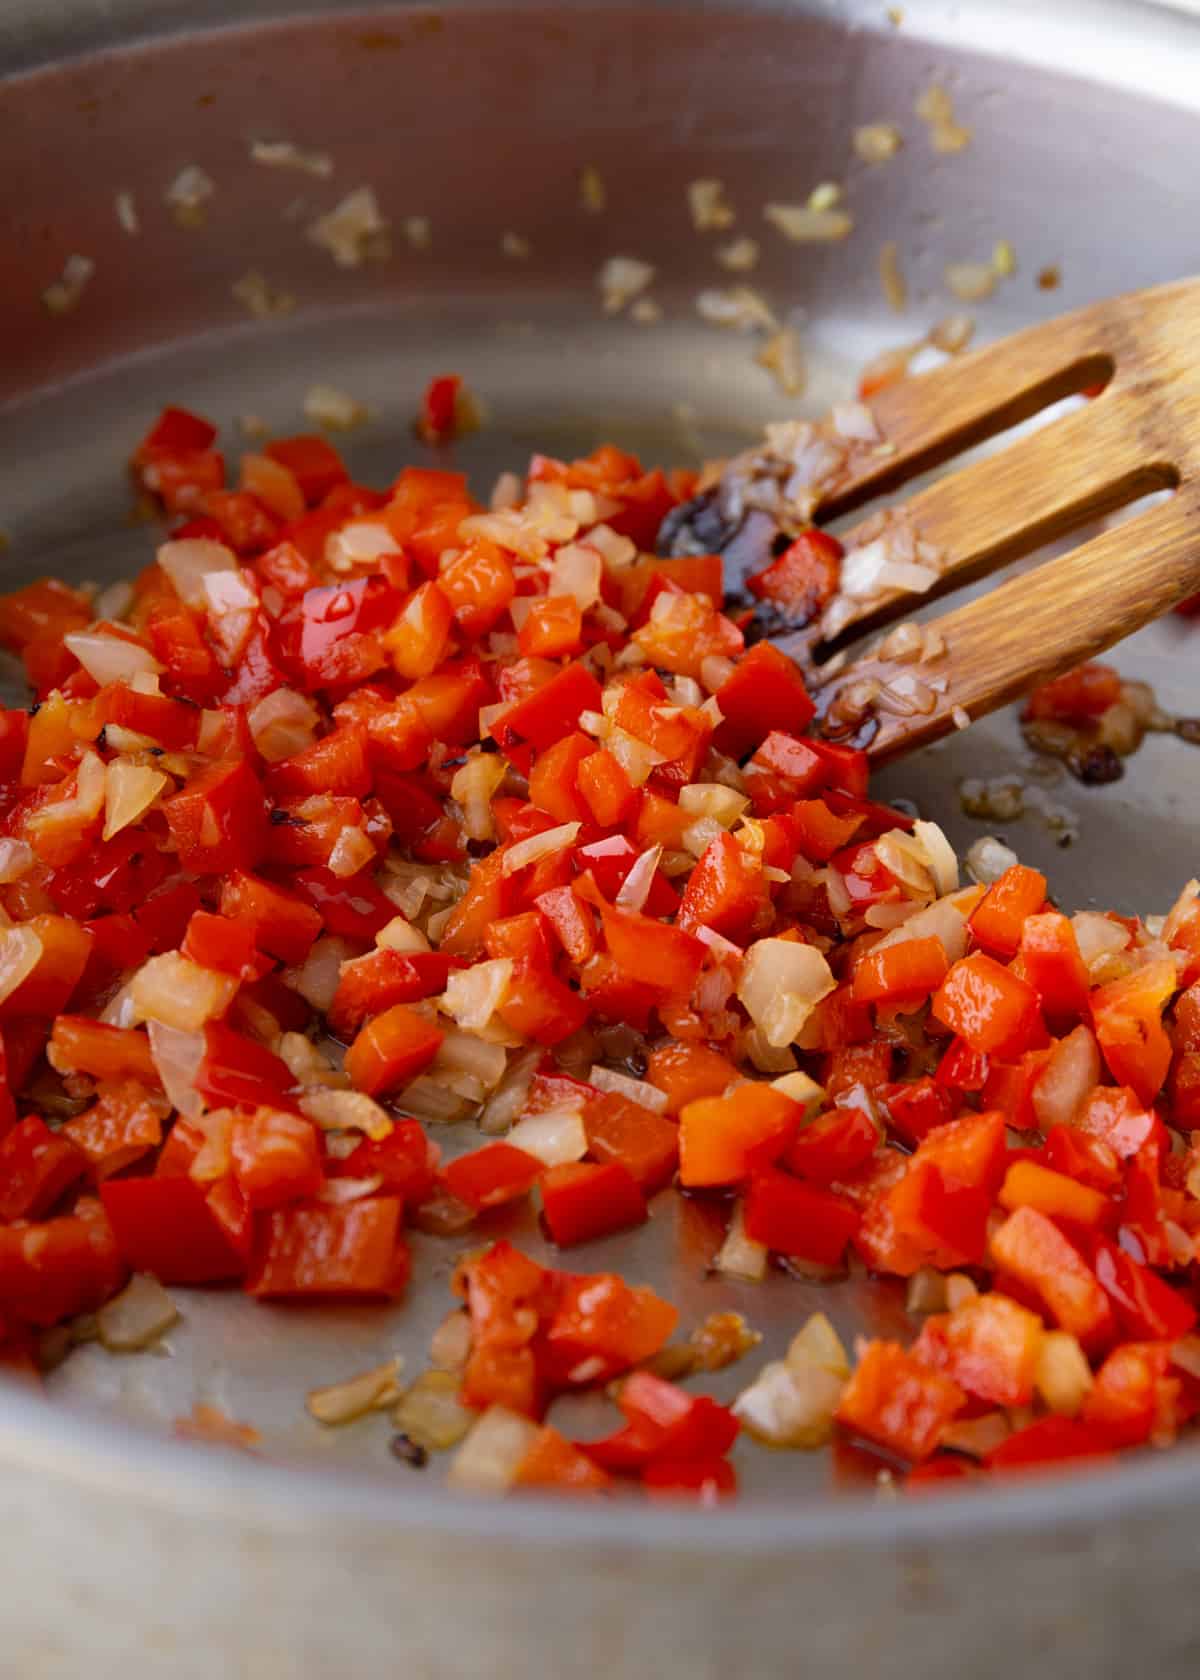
[{"x": 131, "y": 1553}]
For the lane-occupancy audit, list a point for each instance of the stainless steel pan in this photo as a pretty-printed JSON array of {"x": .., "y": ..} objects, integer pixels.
[{"x": 129, "y": 1552}]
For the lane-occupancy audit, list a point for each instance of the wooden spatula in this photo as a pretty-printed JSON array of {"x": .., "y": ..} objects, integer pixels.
[{"x": 1141, "y": 433}]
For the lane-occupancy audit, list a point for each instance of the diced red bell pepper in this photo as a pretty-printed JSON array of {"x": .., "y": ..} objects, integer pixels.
[
  {"x": 219, "y": 820},
  {"x": 552, "y": 781},
  {"x": 1147, "y": 1309},
  {"x": 804, "y": 578},
  {"x": 176, "y": 431},
  {"x": 336, "y": 764},
  {"x": 584, "y": 1200},
  {"x": 833, "y": 1146},
  {"x": 314, "y": 463},
  {"x": 540, "y": 1006},
  {"x": 1030, "y": 1248},
  {"x": 406, "y": 1161},
  {"x": 724, "y": 1139},
  {"x": 479, "y": 584},
  {"x": 992, "y": 1346},
  {"x": 493, "y": 1175},
  {"x": 897, "y": 1402},
  {"x": 704, "y": 1479},
  {"x": 725, "y": 891},
  {"x": 571, "y": 921},
  {"x": 60, "y": 1267},
  {"x": 987, "y": 1005},
  {"x": 819, "y": 831},
  {"x": 165, "y": 1226},
  {"x": 609, "y": 861},
  {"x": 238, "y": 1072},
  {"x": 665, "y": 958},
  {"x": 1128, "y": 1021},
  {"x": 1133, "y": 1398},
  {"x": 370, "y": 984},
  {"x": 553, "y": 627},
  {"x": 904, "y": 973},
  {"x": 765, "y": 692},
  {"x": 81, "y": 1045},
  {"x": 699, "y": 574},
  {"x": 318, "y": 1251},
  {"x": 605, "y": 789},
  {"x": 122, "y": 1126},
  {"x": 547, "y": 714},
  {"x": 664, "y": 1424},
  {"x": 1086, "y": 1159},
  {"x": 391, "y": 1049},
  {"x": 638, "y": 1139},
  {"x": 1048, "y": 958},
  {"x": 36, "y": 1167},
  {"x": 1049, "y": 1442},
  {"x": 276, "y": 1157},
  {"x": 601, "y": 1326},
  {"x": 998, "y": 920},
  {"x": 169, "y": 723},
  {"x": 489, "y": 896},
  {"x": 687, "y": 1072},
  {"x": 552, "y": 1462},
  {"x": 216, "y": 942},
  {"x": 353, "y": 907},
  {"x": 868, "y": 1065},
  {"x": 798, "y": 1220},
  {"x": 280, "y": 923},
  {"x": 915, "y": 1106}
]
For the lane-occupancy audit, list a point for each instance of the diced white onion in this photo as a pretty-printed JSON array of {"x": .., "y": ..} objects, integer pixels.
[
  {"x": 176, "y": 991},
  {"x": 467, "y": 1053},
  {"x": 781, "y": 984},
  {"x": 189, "y": 561},
  {"x": 130, "y": 790},
  {"x": 635, "y": 888},
  {"x": 346, "y": 1111},
  {"x": 555, "y": 1136},
  {"x": 818, "y": 1343},
  {"x": 940, "y": 920},
  {"x": 474, "y": 994},
  {"x": 636, "y": 1090},
  {"x": 351, "y": 853},
  {"x": 943, "y": 861},
  {"x": 473, "y": 785},
  {"x": 138, "y": 1316},
  {"x": 282, "y": 723},
  {"x": 316, "y": 978},
  {"x": 370, "y": 1391},
  {"x": 20, "y": 953},
  {"x": 539, "y": 846},
  {"x": 177, "y": 1056},
  {"x": 801, "y": 1089},
  {"x": 490, "y": 1457},
  {"x": 400, "y": 935},
  {"x": 508, "y": 1099},
  {"x": 17, "y": 858},
  {"x": 713, "y": 799},
  {"x": 988, "y": 859},
  {"x": 577, "y": 571},
  {"x": 108, "y": 659},
  {"x": 739, "y": 1255},
  {"x": 790, "y": 1407},
  {"x": 1064, "y": 1376},
  {"x": 1067, "y": 1079}
]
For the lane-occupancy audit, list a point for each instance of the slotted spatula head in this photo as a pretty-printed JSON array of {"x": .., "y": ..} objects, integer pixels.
[{"x": 1140, "y": 434}]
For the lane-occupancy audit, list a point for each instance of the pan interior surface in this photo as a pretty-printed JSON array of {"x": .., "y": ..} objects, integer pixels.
[{"x": 481, "y": 120}]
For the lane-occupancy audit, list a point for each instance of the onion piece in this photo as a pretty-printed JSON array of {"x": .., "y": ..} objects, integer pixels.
[
  {"x": 370, "y": 1391},
  {"x": 432, "y": 1413},
  {"x": 20, "y": 953},
  {"x": 177, "y": 1056},
  {"x": 1064, "y": 1376},
  {"x": 555, "y": 1136},
  {"x": 108, "y": 659},
  {"x": 450, "y": 1345},
  {"x": 577, "y": 570},
  {"x": 316, "y": 978},
  {"x": 176, "y": 991},
  {"x": 508, "y": 1099},
  {"x": 941, "y": 920},
  {"x": 780, "y": 985},
  {"x": 353, "y": 851},
  {"x": 787, "y": 1406},
  {"x": 282, "y": 723},
  {"x": 138, "y": 1316},
  {"x": 988, "y": 859},
  {"x": 1067, "y": 1079},
  {"x": 539, "y": 846},
  {"x": 739, "y": 1255},
  {"x": 80, "y": 808},
  {"x": 473, "y": 786},
  {"x": 801, "y": 223},
  {"x": 713, "y": 799},
  {"x": 400, "y": 935},
  {"x": 465, "y": 1052},
  {"x": 818, "y": 1343},
  {"x": 129, "y": 791},
  {"x": 635, "y": 888},
  {"x": 490, "y": 1457},
  {"x": 943, "y": 861},
  {"x": 474, "y": 994},
  {"x": 636, "y": 1090},
  {"x": 1098, "y": 937},
  {"x": 189, "y": 561},
  {"x": 803, "y": 1090},
  {"x": 346, "y": 1111}
]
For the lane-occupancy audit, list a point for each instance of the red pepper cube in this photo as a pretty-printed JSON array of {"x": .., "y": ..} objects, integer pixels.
[
  {"x": 237, "y": 1071},
  {"x": 319, "y": 1251},
  {"x": 392, "y": 1049},
  {"x": 1147, "y": 1309},
  {"x": 53, "y": 1270},
  {"x": 664, "y": 1424},
  {"x": 605, "y": 789},
  {"x": 1048, "y": 958},
  {"x": 553, "y": 627},
  {"x": 999, "y": 918},
  {"x": 900, "y": 1404},
  {"x": 176, "y": 430},
  {"x": 704, "y": 1479},
  {"x": 725, "y": 891},
  {"x": 1128, "y": 1021},
  {"x": 765, "y": 692},
  {"x": 795, "y": 1219},
  {"x": 36, "y": 1167},
  {"x": 166, "y": 1226},
  {"x": 218, "y": 943},
  {"x": 276, "y": 1157},
  {"x": 493, "y": 1175},
  {"x": 122, "y": 1126},
  {"x": 665, "y": 958},
  {"x": 539, "y": 1006},
  {"x": 1030, "y": 1248},
  {"x": 819, "y": 831},
  {"x": 903, "y": 973},
  {"x": 554, "y": 1462},
  {"x": 724, "y": 1139},
  {"x": 336, "y": 764},
  {"x": 804, "y": 578},
  {"x": 479, "y": 584},
  {"x": 313, "y": 462},
  {"x": 1135, "y": 1395},
  {"x": 992, "y": 1346},
  {"x": 1051, "y": 1440},
  {"x": 169, "y": 723},
  {"x": 552, "y": 781},
  {"x": 600, "y": 1325},
  {"x": 915, "y": 1106},
  {"x": 81, "y": 1045},
  {"x": 418, "y": 639},
  {"x": 584, "y": 1200},
  {"x": 549, "y": 713},
  {"x": 373, "y": 983},
  {"x": 1078, "y": 696},
  {"x": 219, "y": 820},
  {"x": 643, "y": 1142},
  {"x": 833, "y": 1146},
  {"x": 988, "y": 1005},
  {"x": 571, "y": 921},
  {"x": 280, "y": 923},
  {"x": 406, "y": 1161}
]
